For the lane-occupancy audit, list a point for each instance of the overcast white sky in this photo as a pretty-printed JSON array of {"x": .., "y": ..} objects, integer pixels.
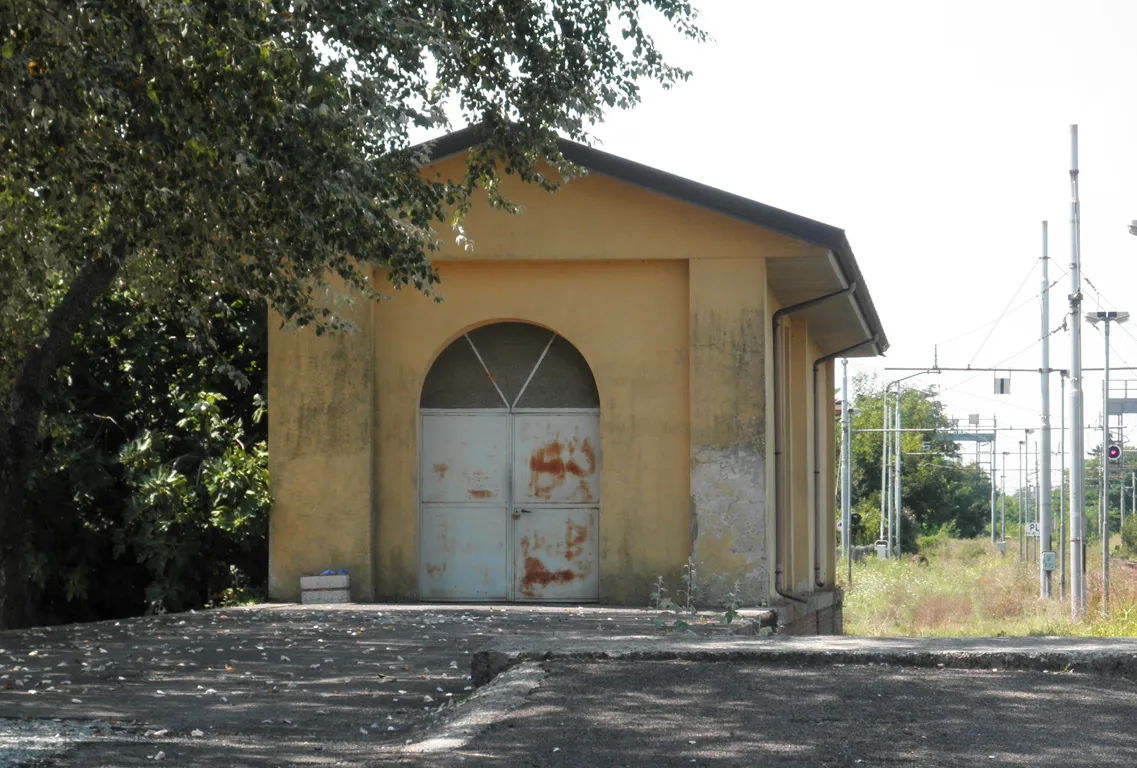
[{"x": 937, "y": 135}]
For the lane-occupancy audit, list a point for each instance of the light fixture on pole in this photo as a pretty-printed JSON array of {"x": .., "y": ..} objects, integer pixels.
[{"x": 1105, "y": 318}]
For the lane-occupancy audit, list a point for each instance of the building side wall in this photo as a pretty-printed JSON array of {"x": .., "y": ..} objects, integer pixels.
[{"x": 670, "y": 306}]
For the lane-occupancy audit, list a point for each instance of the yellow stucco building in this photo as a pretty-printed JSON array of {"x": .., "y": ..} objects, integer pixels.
[{"x": 635, "y": 370}]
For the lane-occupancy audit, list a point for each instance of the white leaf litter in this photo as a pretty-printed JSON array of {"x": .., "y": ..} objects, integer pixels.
[{"x": 196, "y": 733}]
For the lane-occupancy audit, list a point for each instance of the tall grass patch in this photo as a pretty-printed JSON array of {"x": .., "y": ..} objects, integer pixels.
[{"x": 966, "y": 588}]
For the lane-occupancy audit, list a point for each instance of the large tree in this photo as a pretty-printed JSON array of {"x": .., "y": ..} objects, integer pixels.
[{"x": 261, "y": 147}]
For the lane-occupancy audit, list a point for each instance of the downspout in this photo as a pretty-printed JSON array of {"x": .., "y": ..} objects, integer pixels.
[
  {"x": 817, "y": 506},
  {"x": 779, "y": 486}
]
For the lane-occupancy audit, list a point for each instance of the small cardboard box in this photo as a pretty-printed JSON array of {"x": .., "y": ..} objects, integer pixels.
[{"x": 335, "y": 588}]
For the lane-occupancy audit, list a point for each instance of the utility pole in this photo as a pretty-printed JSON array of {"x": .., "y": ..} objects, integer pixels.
[
  {"x": 846, "y": 473},
  {"x": 993, "y": 495},
  {"x": 1045, "y": 513},
  {"x": 1106, "y": 318},
  {"x": 1035, "y": 546},
  {"x": 884, "y": 493},
  {"x": 1077, "y": 454},
  {"x": 1062, "y": 491},
  {"x": 1023, "y": 477},
  {"x": 899, "y": 453},
  {"x": 1003, "y": 514}
]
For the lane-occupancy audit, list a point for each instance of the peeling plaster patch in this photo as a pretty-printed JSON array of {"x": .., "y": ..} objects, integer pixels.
[{"x": 728, "y": 500}]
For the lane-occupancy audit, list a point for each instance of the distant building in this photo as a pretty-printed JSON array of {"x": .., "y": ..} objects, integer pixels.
[{"x": 594, "y": 402}]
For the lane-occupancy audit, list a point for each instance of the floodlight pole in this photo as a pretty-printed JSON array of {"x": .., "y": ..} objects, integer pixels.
[{"x": 1103, "y": 513}]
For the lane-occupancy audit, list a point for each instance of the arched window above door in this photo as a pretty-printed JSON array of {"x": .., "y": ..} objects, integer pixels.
[{"x": 510, "y": 365}]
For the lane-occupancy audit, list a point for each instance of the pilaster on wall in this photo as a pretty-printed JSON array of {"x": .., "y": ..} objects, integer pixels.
[
  {"x": 728, "y": 313},
  {"x": 320, "y": 445}
]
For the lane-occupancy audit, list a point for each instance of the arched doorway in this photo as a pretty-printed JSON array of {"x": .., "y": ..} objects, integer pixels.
[{"x": 510, "y": 470}]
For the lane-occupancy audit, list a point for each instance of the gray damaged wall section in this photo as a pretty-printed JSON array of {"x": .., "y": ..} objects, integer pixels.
[{"x": 728, "y": 516}]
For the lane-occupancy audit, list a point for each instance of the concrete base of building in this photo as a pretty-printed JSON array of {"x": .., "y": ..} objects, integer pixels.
[{"x": 820, "y": 615}]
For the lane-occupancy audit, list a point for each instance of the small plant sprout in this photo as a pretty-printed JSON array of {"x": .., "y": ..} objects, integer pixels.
[
  {"x": 690, "y": 587},
  {"x": 732, "y": 604}
]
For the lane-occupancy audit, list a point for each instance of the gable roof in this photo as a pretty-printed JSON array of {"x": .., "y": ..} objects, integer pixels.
[{"x": 716, "y": 200}]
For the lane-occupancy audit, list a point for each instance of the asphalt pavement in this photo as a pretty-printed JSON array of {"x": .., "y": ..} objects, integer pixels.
[
  {"x": 370, "y": 685},
  {"x": 682, "y": 713}
]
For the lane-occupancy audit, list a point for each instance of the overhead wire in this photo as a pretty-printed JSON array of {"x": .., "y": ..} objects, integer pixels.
[
  {"x": 1024, "y": 350},
  {"x": 1013, "y": 310},
  {"x": 1004, "y": 314}
]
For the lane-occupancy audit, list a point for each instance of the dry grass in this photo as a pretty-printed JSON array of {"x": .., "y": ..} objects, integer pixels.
[{"x": 967, "y": 589}]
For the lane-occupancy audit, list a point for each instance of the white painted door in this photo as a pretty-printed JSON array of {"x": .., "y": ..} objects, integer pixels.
[
  {"x": 465, "y": 520},
  {"x": 510, "y": 496}
]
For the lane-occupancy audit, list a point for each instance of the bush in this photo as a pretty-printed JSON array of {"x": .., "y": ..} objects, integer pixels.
[
  {"x": 150, "y": 492},
  {"x": 1129, "y": 536}
]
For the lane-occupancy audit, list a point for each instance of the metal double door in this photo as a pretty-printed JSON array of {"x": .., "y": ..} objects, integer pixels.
[{"x": 510, "y": 505}]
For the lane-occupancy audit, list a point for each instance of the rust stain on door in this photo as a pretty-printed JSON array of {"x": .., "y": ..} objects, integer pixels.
[
  {"x": 549, "y": 468},
  {"x": 541, "y": 555},
  {"x": 576, "y": 536},
  {"x": 476, "y": 486},
  {"x": 441, "y": 470},
  {"x": 537, "y": 576}
]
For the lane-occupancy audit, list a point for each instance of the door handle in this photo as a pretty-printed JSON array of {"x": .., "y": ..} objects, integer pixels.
[{"x": 526, "y": 511}]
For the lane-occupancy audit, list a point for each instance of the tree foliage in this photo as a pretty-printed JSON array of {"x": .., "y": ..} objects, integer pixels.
[
  {"x": 176, "y": 151},
  {"x": 938, "y": 489},
  {"x": 153, "y": 474}
]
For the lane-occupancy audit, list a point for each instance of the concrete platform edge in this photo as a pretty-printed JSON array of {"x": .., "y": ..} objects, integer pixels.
[{"x": 491, "y": 661}]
